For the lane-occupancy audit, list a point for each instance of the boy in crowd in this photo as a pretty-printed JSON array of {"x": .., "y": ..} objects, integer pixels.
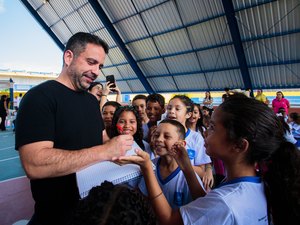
[
  {"x": 139, "y": 102},
  {"x": 179, "y": 187},
  {"x": 155, "y": 107}
]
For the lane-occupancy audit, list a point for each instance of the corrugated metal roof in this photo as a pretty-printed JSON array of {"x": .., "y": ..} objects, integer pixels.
[{"x": 186, "y": 45}]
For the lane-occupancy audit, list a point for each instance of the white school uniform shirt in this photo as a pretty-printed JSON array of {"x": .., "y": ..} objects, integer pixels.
[
  {"x": 195, "y": 148},
  {"x": 289, "y": 136},
  {"x": 174, "y": 187},
  {"x": 239, "y": 202},
  {"x": 295, "y": 129}
]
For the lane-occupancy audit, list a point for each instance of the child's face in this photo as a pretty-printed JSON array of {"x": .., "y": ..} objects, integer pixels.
[
  {"x": 97, "y": 91},
  {"x": 176, "y": 110},
  {"x": 216, "y": 141},
  {"x": 154, "y": 111},
  {"x": 206, "y": 122},
  {"x": 107, "y": 114},
  {"x": 140, "y": 106},
  {"x": 127, "y": 121},
  {"x": 164, "y": 138},
  {"x": 205, "y": 112},
  {"x": 195, "y": 115}
]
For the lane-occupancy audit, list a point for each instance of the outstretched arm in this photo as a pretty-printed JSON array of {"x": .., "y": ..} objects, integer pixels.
[
  {"x": 42, "y": 160},
  {"x": 119, "y": 94},
  {"x": 180, "y": 154},
  {"x": 161, "y": 207},
  {"x": 106, "y": 91}
]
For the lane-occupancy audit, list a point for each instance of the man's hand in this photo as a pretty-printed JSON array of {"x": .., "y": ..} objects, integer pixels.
[{"x": 118, "y": 146}]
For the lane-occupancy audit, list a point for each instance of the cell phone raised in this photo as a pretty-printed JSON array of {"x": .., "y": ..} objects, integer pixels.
[{"x": 111, "y": 79}]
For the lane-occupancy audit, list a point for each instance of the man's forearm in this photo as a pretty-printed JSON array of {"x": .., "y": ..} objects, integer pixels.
[{"x": 45, "y": 161}]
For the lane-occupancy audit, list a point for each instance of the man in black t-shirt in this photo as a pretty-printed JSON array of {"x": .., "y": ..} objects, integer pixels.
[{"x": 59, "y": 131}]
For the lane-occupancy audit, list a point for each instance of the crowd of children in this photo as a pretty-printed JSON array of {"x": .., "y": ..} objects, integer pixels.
[
  {"x": 237, "y": 135},
  {"x": 203, "y": 156},
  {"x": 209, "y": 162}
]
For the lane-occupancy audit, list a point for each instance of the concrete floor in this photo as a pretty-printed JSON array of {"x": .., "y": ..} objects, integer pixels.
[{"x": 16, "y": 203}]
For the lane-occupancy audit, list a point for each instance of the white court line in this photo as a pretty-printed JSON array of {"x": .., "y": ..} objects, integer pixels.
[
  {"x": 1, "y": 149},
  {"x": 2, "y": 160},
  {"x": 11, "y": 179}
]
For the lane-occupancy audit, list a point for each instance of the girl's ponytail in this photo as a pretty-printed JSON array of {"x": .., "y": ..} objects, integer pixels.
[{"x": 282, "y": 180}]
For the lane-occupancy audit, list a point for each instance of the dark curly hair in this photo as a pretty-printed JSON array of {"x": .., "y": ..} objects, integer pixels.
[
  {"x": 113, "y": 204},
  {"x": 138, "y": 136},
  {"x": 246, "y": 118}
]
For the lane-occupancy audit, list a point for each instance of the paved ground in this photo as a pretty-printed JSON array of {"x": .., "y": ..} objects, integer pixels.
[
  {"x": 10, "y": 166},
  {"x": 16, "y": 203}
]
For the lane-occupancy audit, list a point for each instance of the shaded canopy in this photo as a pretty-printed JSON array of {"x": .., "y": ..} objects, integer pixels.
[{"x": 185, "y": 45}]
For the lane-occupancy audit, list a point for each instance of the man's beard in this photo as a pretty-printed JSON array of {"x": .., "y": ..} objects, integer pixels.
[{"x": 76, "y": 80}]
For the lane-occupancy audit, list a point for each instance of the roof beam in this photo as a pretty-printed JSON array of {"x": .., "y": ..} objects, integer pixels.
[
  {"x": 43, "y": 24},
  {"x": 112, "y": 31},
  {"x": 237, "y": 42}
]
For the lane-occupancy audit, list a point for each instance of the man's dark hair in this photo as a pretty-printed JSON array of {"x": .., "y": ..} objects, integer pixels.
[{"x": 77, "y": 43}]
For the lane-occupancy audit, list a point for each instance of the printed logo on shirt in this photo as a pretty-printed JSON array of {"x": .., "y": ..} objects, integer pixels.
[
  {"x": 191, "y": 153},
  {"x": 178, "y": 198}
]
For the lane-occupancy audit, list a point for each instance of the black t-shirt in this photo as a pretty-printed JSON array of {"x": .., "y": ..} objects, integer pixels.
[{"x": 72, "y": 120}]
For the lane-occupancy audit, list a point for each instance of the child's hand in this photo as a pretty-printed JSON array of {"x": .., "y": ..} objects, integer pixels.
[
  {"x": 116, "y": 89},
  {"x": 208, "y": 179},
  {"x": 142, "y": 159},
  {"x": 179, "y": 153}
]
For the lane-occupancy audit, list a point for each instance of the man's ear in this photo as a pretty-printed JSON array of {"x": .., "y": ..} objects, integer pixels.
[
  {"x": 242, "y": 145},
  {"x": 68, "y": 57}
]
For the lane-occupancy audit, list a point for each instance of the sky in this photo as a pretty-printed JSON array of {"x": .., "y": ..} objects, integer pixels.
[{"x": 24, "y": 44}]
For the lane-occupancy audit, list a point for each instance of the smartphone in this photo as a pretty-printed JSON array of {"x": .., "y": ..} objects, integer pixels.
[{"x": 111, "y": 79}]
